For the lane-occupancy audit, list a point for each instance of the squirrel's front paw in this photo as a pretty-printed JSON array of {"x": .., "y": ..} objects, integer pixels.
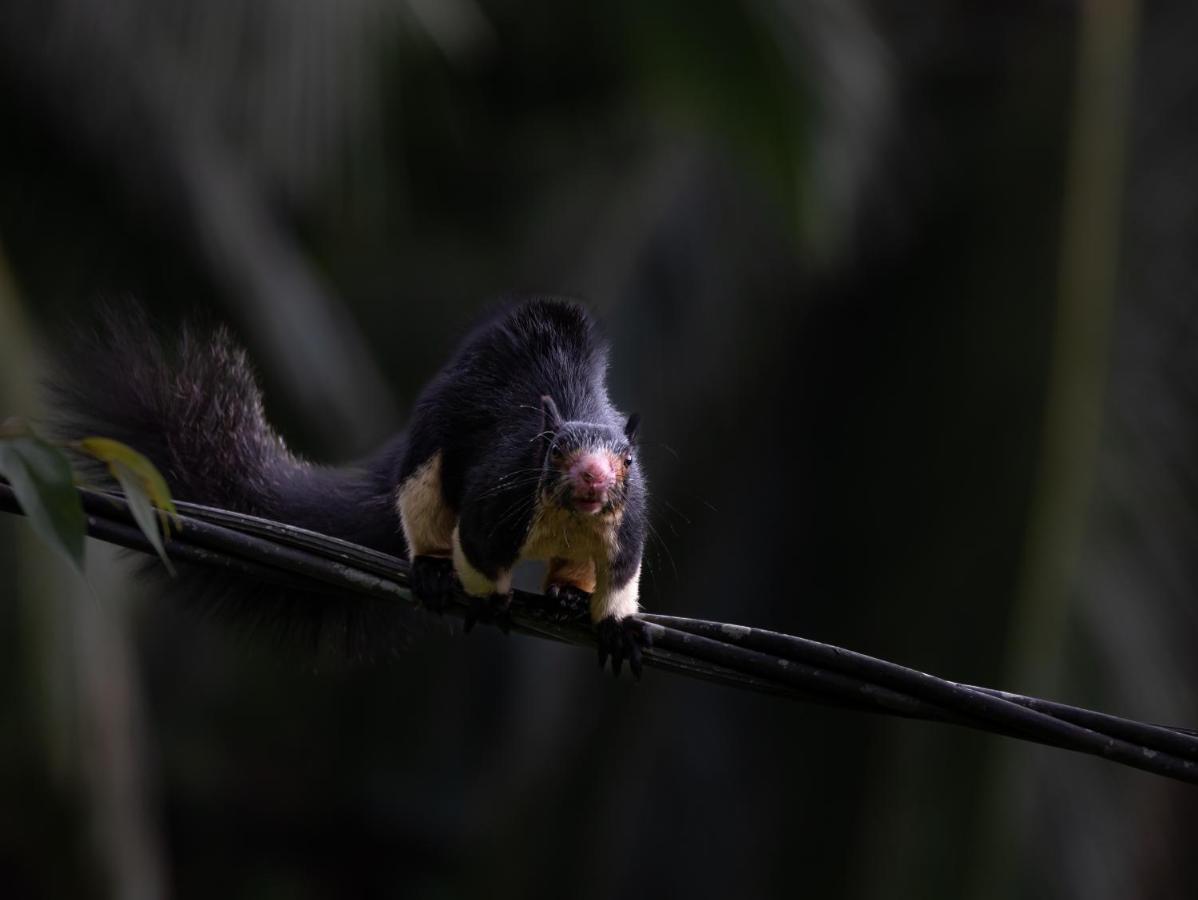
[
  {"x": 493, "y": 609},
  {"x": 566, "y": 603},
  {"x": 433, "y": 582},
  {"x": 620, "y": 639}
]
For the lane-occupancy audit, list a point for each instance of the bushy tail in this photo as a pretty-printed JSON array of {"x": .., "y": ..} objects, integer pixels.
[
  {"x": 194, "y": 408},
  {"x": 197, "y": 413}
]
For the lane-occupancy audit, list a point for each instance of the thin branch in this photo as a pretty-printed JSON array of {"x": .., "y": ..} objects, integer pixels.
[{"x": 734, "y": 655}]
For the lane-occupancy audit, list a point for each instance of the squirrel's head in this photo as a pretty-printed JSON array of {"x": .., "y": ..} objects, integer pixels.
[{"x": 587, "y": 465}]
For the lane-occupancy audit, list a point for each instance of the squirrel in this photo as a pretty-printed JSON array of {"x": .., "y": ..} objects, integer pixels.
[{"x": 513, "y": 451}]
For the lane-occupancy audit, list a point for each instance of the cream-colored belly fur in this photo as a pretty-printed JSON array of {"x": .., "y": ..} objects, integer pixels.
[
  {"x": 579, "y": 549},
  {"x": 560, "y": 533},
  {"x": 427, "y": 522}
]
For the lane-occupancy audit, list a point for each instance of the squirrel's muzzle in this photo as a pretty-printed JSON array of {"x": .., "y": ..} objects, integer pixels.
[{"x": 591, "y": 477}]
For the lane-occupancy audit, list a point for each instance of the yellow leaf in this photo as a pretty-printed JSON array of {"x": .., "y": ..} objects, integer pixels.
[
  {"x": 144, "y": 487},
  {"x": 111, "y": 452}
]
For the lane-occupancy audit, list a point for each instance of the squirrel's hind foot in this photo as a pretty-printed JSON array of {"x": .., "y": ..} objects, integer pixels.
[
  {"x": 622, "y": 639},
  {"x": 565, "y": 603},
  {"x": 433, "y": 582}
]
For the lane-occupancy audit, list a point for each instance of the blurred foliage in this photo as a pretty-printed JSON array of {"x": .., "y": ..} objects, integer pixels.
[
  {"x": 831, "y": 242},
  {"x": 41, "y": 478},
  {"x": 43, "y": 483}
]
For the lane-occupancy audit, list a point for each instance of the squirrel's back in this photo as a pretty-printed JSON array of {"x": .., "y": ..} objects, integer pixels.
[{"x": 488, "y": 394}]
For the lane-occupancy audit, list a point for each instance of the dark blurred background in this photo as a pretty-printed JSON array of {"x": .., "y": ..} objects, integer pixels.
[{"x": 905, "y": 295}]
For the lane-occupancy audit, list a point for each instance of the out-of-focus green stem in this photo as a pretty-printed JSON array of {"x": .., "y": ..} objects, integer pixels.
[
  {"x": 84, "y": 700},
  {"x": 1081, "y": 344},
  {"x": 1078, "y": 367},
  {"x": 36, "y": 578}
]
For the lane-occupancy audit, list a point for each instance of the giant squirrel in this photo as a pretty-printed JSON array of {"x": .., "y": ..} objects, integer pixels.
[{"x": 513, "y": 451}]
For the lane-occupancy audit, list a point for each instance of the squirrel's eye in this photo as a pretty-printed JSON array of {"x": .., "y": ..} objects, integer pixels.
[{"x": 627, "y": 461}]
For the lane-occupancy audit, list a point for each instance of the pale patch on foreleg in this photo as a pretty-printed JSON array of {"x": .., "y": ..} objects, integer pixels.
[
  {"x": 474, "y": 582},
  {"x": 427, "y": 520},
  {"x": 575, "y": 573},
  {"x": 619, "y": 601}
]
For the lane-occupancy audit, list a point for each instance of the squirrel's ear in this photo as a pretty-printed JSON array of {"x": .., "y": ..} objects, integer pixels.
[
  {"x": 551, "y": 419},
  {"x": 634, "y": 422}
]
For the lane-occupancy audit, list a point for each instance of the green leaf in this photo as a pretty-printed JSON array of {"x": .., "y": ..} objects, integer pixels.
[
  {"x": 41, "y": 478},
  {"x": 144, "y": 488},
  {"x": 142, "y": 508}
]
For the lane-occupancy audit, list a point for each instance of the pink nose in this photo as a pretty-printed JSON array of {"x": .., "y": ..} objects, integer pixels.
[{"x": 592, "y": 474}]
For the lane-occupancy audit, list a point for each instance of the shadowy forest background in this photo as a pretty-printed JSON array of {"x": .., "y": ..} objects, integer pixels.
[{"x": 905, "y": 294}]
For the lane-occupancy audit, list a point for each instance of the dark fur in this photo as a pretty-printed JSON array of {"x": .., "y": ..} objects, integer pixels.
[
  {"x": 483, "y": 411},
  {"x": 194, "y": 408}
]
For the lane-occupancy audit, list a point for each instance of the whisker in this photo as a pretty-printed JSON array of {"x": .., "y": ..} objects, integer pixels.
[
  {"x": 508, "y": 485},
  {"x": 515, "y": 510},
  {"x": 677, "y": 511},
  {"x": 668, "y": 449},
  {"x": 511, "y": 481},
  {"x": 657, "y": 507},
  {"x": 656, "y": 535}
]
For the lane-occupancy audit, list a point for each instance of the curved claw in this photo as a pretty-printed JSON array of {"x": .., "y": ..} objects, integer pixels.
[
  {"x": 566, "y": 603},
  {"x": 493, "y": 609},
  {"x": 433, "y": 582},
  {"x": 620, "y": 639}
]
